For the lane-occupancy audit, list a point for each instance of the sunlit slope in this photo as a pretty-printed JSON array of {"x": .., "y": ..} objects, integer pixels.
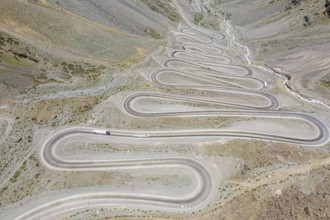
[
  {"x": 111, "y": 31},
  {"x": 293, "y": 35}
]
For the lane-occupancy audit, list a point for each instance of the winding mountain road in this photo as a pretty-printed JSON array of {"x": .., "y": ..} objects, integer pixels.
[{"x": 198, "y": 64}]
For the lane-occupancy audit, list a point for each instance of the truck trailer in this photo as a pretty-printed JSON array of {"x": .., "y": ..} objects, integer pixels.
[
  {"x": 141, "y": 135},
  {"x": 101, "y": 132}
]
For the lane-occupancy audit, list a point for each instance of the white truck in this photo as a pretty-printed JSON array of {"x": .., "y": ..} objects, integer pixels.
[
  {"x": 141, "y": 135},
  {"x": 102, "y": 132}
]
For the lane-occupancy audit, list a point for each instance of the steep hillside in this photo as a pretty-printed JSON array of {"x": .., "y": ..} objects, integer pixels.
[
  {"x": 55, "y": 42},
  {"x": 126, "y": 15},
  {"x": 59, "y": 59},
  {"x": 293, "y": 35},
  {"x": 107, "y": 31}
]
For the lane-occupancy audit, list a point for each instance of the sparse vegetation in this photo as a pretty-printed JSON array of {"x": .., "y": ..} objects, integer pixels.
[
  {"x": 12, "y": 41},
  {"x": 84, "y": 69},
  {"x": 12, "y": 54},
  {"x": 211, "y": 22},
  {"x": 218, "y": 2},
  {"x": 326, "y": 81},
  {"x": 152, "y": 33},
  {"x": 198, "y": 17},
  {"x": 163, "y": 7}
]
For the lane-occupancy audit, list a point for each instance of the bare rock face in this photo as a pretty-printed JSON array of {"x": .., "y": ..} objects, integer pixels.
[
  {"x": 295, "y": 2},
  {"x": 327, "y": 7}
]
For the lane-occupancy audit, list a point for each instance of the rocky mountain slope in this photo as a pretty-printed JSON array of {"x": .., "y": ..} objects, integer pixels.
[
  {"x": 54, "y": 41},
  {"x": 98, "y": 30},
  {"x": 59, "y": 58},
  {"x": 293, "y": 35}
]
